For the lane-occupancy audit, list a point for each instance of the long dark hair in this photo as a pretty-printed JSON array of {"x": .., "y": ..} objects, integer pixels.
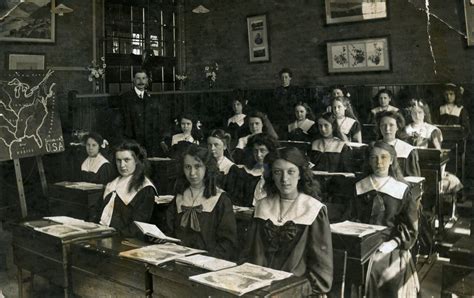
[
  {"x": 139, "y": 154},
  {"x": 258, "y": 139},
  {"x": 267, "y": 125},
  {"x": 347, "y": 103},
  {"x": 96, "y": 137},
  {"x": 390, "y": 114},
  {"x": 309, "y": 111},
  {"x": 331, "y": 118},
  {"x": 212, "y": 171},
  {"x": 195, "y": 131},
  {"x": 386, "y": 91},
  {"x": 394, "y": 170},
  {"x": 457, "y": 93},
  {"x": 306, "y": 184}
]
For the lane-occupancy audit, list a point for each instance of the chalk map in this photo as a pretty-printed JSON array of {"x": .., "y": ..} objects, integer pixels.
[{"x": 29, "y": 121}]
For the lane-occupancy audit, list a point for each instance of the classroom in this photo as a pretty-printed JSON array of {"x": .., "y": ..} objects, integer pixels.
[{"x": 198, "y": 148}]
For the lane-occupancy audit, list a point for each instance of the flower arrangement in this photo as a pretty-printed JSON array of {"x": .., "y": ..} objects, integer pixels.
[
  {"x": 211, "y": 73},
  {"x": 97, "y": 72}
]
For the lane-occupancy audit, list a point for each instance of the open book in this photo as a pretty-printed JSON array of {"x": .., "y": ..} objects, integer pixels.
[
  {"x": 154, "y": 231},
  {"x": 80, "y": 185},
  {"x": 355, "y": 228},
  {"x": 206, "y": 262},
  {"x": 68, "y": 227},
  {"x": 241, "y": 279},
  {"x": 160, "y": 253}
]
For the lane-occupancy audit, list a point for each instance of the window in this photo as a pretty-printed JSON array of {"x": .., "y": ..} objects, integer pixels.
[{"x": 140, "y": 36}]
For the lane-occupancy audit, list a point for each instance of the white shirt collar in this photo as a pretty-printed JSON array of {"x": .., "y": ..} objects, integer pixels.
[
  {"x": 208, "y": 204},
  {"x": 139, "y": 92},
  {"x": 224, "y": 165},
  {"x": 335, "y": 145},
  {"x": 305, "y": 125},
  {"x": 455, "y": 111},
  {"x": 93, "y": 164},
  {"x": 345, "y": 125},
  {"x": 303, "y": 211},
  {"x": 120, "y": 186},
  {"x": 239, "y": 119},
  {"x": 393, "y": 188}
]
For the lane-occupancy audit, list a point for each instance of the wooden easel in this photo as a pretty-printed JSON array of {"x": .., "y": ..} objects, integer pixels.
[{"x": 19, "y": 183}]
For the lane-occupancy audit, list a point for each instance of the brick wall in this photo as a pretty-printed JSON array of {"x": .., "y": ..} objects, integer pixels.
[{"x": 298, "y": 35}]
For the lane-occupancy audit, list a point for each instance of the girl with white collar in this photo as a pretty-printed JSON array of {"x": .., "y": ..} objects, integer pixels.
[
  {"x": 131, "y": 196},
  {"x": 290, "y": 229},
  {"x": 347, "y": 122},
  {"x": 389, "y": 125},
  {"x": 217, "y": 143},
  {"x": 453, "y": 112},
  {"x": 201, "y": 214},
  {"x": 96, "y": 168},
  {"x": 235, "y": 124},
  {"x": 303, "y": 128},
  {"x": 384, "y": 98},
  {"x": 384, "y": 198}
]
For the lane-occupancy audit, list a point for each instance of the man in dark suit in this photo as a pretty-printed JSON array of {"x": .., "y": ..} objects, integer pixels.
[{"x": 139, "y": 115}]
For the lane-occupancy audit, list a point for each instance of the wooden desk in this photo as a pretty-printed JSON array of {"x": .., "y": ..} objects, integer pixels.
[
  {"x": 97, "y": 270},
  {"x": 44, "y": 255},
  {"x": 172, "y": 280},
  {"x": 164, "y": 174},
  {"x": 77, "y": 203}
]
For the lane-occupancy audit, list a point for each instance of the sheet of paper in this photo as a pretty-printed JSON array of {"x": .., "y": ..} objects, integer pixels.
[
  {"x": 154, "y": 231},
  {"x": 206, "y": 262},
  {"x": 355, "y": 228}
]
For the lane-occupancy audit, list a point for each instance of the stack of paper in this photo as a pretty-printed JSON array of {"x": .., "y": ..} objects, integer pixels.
[
  {"x": 355, "y": 228},
  {"x": 206, "y": 262},
  {"x": 241, "y": 279},
  {"x": 160, "y": 253},
  {"x": 71, "y": 227}
]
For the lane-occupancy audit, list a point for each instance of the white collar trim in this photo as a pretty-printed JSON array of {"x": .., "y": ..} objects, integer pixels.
[
  {"x": 208, "y": 204},
  {"x": 93, "y": 164},
  {"x": 181, "y": 137},
  {"x": 305, "y": 125},
  {"x": 346, "y": 125},
  {"x": 239, "y": 119},
  {"x": 225, "y": 164},
  {"x": 393, "y": 188},
  {"x": 402, "y": 148},
  {"x": 335, "y": 146},
  {"x": 303, "y": 211},
  {"x": 120, "y": 186},
  {"x": 456, "y": 111}
]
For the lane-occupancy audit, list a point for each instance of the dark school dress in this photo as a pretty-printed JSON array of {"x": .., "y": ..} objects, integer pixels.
[
  {"x": 300, "y": 242},
  {"x": 393, "y": 274},
  {"x": 97, "y": 170},
  {"x": 456, "y": 116},
  {"x": 236, "y": 128},
  {"x": 407, "y": 157},
  {"x": 209, "y": 225},
  {"x": 306, "y": 131},
  {"x": 242, "y": 185},
  {"x": 120, "y": 207},
  {"x": 331, "y": 155}
]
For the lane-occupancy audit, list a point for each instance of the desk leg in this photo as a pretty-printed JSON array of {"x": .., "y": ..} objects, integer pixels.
[{"x": 20, "y": 282}]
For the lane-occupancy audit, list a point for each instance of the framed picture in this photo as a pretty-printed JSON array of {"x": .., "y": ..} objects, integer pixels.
[
  {"x": 258, "y": 39},
  {"x": 469, "y": 14},
  {"x": 358, "y": 55},
  {"x": 26, "y": 62},
  {"x": 27, "y": 21},
  {"x": 342, "y": 11}
]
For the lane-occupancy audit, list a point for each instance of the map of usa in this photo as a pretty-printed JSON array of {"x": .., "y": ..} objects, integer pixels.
[{"x": 29, "y": 122}]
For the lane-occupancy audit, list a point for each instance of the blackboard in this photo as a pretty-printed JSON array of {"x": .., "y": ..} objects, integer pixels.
[{"x": 29, "y": 119}]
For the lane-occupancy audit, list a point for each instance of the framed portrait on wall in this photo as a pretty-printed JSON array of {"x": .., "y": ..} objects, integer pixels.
[
  {"x": 27, "y": 21},
  {"x": 342, "y": 11},
  {"x": 258, "y": 39},
  {"x": 358, "y": 55}
]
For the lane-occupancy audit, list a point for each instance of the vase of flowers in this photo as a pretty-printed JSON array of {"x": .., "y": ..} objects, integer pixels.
[
  {"x": 211, "y": 74},
  {"x": 97, "y": 73},
  {"x": 181, "y": 79}
]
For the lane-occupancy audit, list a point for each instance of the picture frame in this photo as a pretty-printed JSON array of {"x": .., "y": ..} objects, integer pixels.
[
  {"x": 469, "y": 15},
  {"x": 259, "y": 50},
  {"x": 28, "y": 21},
  {"x": 359, "y": 55},
  {"x": 343, "y": 11},
  {"x": 18, "y": 61}
]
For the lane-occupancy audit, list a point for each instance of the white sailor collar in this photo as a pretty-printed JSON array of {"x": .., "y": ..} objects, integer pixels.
[
  {"x": 120, "y": 187},
  {"x": 182, "y": 137},
  {"x": 208, "y": 204},
  {"x": 402, "y": 148},
  {"x": 254, "y": 172},
  {"x": 303, "y": 211},
  {"x": 305, "y": 125},
  {"x": 379, "y": 109},
  {"x": 225, "y": 164},
  {"x": 335, "y": 146},
  {"x": 93, "y": 164},
  {"x": 239, "y": 119},
  {"x": 425, "y": 130},
  {"x": 346, "y": 125},
  {"x": 393, "y": 188},
  {"x": 456, "y": 111}
]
